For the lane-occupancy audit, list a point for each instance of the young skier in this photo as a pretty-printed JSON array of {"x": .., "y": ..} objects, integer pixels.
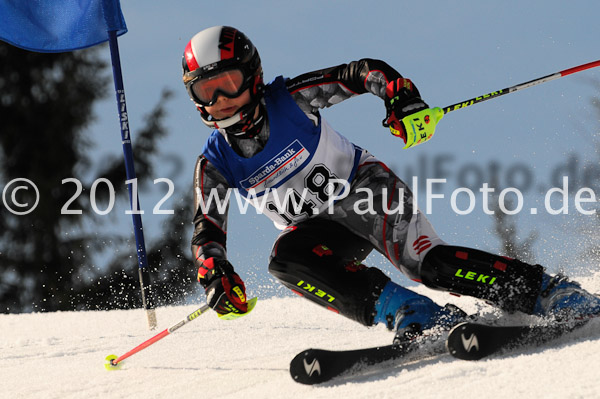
[{"x": 271, "y": 143}]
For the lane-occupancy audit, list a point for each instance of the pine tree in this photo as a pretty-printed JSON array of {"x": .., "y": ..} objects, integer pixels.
[{"x": 46, "y": 105}]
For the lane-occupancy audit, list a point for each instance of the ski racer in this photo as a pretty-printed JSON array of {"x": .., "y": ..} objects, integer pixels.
[{"x": 271, "y": 143}]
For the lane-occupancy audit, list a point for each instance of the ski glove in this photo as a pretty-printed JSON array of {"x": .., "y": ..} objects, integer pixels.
[
  {"x": 401, "y": 99},
  {"x": 225, "y": 290}
]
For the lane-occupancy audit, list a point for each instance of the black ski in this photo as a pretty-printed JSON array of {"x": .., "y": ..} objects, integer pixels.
[
  {"x": 314, "y": 366},
  {"x": 472, "y": 341},
  {"x": 469, "y": 341}
]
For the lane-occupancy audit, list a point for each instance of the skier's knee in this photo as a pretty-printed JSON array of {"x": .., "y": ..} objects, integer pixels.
[{"x": 350, "y": 290}]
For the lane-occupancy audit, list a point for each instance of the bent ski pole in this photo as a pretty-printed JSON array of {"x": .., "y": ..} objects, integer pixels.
[
  {"x": 420, "y": 126},
  {"x": 113, "y": 361}
]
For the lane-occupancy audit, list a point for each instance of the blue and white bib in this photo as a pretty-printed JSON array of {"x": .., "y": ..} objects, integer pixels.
[{"x": 301, "y": 169}]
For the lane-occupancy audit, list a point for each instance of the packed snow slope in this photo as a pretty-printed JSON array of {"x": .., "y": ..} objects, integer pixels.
[{"x": 61, "y": 355}]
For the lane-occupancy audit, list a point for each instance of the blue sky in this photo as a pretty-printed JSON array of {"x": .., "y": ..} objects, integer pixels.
[{"x": 451, "y": 50}]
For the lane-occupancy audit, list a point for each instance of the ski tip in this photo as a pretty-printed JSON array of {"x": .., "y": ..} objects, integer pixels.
[
  {"x": 473, "y": 341},
  {"x": 306, "y": 369},
  {"x": 110, "y": 363},
  {"x": 463, "y": 342}
]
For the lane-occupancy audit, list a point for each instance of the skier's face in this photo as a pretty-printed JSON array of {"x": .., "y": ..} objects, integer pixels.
[{"x": 226, "y": 107}]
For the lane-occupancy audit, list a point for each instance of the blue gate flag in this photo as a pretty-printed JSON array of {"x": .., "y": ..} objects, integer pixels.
[{"x": 55, "y": 26}]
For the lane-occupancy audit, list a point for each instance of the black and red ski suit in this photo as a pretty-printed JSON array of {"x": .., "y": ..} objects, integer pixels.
[{"x": 321, "y": 257}]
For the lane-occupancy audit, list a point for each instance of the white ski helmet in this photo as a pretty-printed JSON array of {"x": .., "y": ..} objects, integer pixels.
[{"x": 222, "y": 61}]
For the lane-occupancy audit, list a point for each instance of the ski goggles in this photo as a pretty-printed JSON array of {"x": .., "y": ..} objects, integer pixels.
[{"x": 228, "y": 83}]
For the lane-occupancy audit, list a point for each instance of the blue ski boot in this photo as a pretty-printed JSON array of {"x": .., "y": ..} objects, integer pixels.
[
  {"x": 409, "y": 313},
  {"x": 562, "y": 299}
]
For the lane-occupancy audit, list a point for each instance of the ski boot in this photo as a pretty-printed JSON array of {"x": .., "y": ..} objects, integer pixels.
[
  {"x": 410, "y": 314},
  {"x": 562, "y": 299}
]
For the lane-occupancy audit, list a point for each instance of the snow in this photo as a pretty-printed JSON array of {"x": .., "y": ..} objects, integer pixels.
[{"x": 61, "y": 355}]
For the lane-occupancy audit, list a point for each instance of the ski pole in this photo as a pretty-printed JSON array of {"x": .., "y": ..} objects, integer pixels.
[
  {"x": 420, "y": 126},
  {"x": 512, "y": 89},
  {"x": 113, "y": 360}
]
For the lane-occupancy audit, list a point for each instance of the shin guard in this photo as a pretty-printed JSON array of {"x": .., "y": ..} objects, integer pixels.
[{"x": 508, "y": 283}]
